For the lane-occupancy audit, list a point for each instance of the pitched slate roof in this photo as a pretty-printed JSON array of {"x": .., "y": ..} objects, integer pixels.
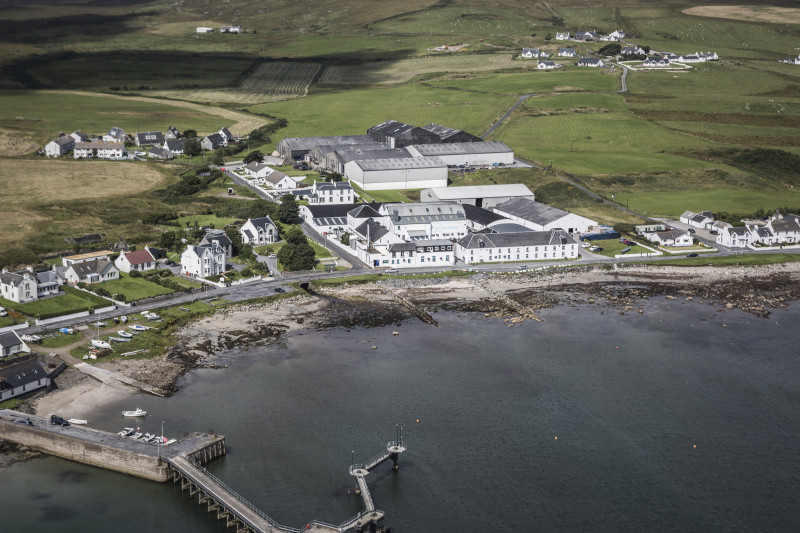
[
  {"x": 13, "y": 278},
  {"x": 100, "y": 145},
  {"x": 445, "y": 133},
  {"x": 150, "y": 137},
  {"x": 365, "y": 211},
  {"x": 670, "y": 234},
  {"x": 333, "y": 186},
  {"x": 63, "y": 141},
  {"x": 589, "y": 61},
  {"x": 162, "y": 153},
  {"x": 423, "y": 213},
  {"x": 255, "y": 166},
  {"x": 215, "y": 139},
  {"x": 480, "y": 215},
  {"x": 531, "y": 210},
  {"x": 139, "y": 257},
  {"x": 262, "y": 222},
  {"x": 174, "y": 145},
  {"x": 487, "y": 147},
  {"x": 22, "y": 373},
  {"x": 224, "y": 132},
  {"x": 527, "y": 238},
  {"x": 275, "y": 176},
  {"x": 98, "y": 266},
  {"x": 223, "y": 240},
  {"x": 375, "y": 230},
  {"x": 9, "y": 339}
]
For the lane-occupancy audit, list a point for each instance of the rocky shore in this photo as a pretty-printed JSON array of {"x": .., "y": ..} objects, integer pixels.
[{"x": 390, "y": 301}]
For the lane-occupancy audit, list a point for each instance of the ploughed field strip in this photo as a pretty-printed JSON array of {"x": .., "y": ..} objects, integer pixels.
[{"x": 181, "y": 461}]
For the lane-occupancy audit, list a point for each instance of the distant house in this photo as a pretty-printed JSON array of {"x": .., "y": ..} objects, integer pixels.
[
  {"x": 175, "y": 146},
  {"x": 100, "y": 150},
  {"x": 19, "y": 286},
  {"x": 635, "y": 50},
  {"x": 608, "y": 38},
  {"x": 587, "y": 36},
  {"x": 213, "y": 141},
  {"x": 335, "y": 192},
  {"x": 619, "y": 34},
  {"x": 160, "y": 153},
  {"x": 115, "y": 135},
  {"x": 691, "y": 58},
  {"x": 10, "y": 344},
  {"x": 791, "y": 61},
  {"x": 225, "y": 133},
  {"x": 562, "y": 36},
  {"x": 670, "y": 238},
  {"x": 21, "y": 378},
  {"x": 90, "y": 272},
  {"x": 230, "y": 29},
  {"x": 533, "y": 52},
  {"x": 257, "y": 170},
  {"x": 656, "y": 62},
  {"x": 738, "y": 237},
  {"x": 708, "y": 56},
  {"x": 257, "y": 231},
  {"x": 149, "y": 138},
  {"x": 219, "y": 238},
  {"x": 60, "y": 146},
  {"x": 545, "y": 65},
  {"x": 140, "y": 260},
  {"x": 204, "y": 29},
  {"x": 703, "y": 219},
  {"x": 172, "y": 133},
  {"x": 566, "y": 52},
  {"x": 278, "y": 180},
  {"x": 79, "y": 136},
  {"x": 591, "y": 62},
  {"x": 203, "y": 261}
]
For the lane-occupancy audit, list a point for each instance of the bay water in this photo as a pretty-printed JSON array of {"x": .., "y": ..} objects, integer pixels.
[{"x": 682, "y": 418}]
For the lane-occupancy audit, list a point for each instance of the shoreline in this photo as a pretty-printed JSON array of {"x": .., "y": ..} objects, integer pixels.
[{"x": 513, "y": 298}]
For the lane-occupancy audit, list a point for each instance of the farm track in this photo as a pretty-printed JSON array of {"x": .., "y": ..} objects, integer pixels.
[{"x": 243, "y": 123}]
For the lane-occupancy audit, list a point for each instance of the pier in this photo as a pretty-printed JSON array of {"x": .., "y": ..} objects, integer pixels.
[{"x": 181, "y": 463}]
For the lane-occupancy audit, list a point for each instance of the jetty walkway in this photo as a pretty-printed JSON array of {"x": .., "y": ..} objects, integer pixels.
[{"x": 181, "y": 462}]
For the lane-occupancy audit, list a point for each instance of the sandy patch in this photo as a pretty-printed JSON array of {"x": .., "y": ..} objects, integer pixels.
[
  {"x": 11, "y": 145},
  {"x": 785, "y": 15},
  {"x": 82, "y": 399}
]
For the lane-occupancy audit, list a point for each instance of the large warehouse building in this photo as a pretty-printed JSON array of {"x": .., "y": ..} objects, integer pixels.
[
  {"x": 486, "y": 196},
  {"x": 390, "y": 174},
  {"x": 298, "y": 147},
  {"x": 468, "y": 154},
  {"x": 541, "y": 217}
]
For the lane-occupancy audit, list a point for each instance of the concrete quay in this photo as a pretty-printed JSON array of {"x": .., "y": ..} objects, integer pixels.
[{"x": 107, "y": 450}]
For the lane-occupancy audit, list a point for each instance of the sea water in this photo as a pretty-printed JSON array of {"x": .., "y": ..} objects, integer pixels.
[{"x": 682, "y": 418}]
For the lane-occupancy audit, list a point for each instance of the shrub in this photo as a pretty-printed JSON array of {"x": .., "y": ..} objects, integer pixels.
[{"x": 135, "y": 274}]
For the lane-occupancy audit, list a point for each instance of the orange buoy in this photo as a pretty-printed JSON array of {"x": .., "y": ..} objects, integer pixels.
[
  {"x": 417, "y": 420},
  {"x": 556, "y": 438}
]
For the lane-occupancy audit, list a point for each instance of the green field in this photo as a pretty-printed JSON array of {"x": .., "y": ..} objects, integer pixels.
[
  {"x": 63, "y": 304},
  {"x": 673, "y": 203},
  {"x": 134, "y": 288},
  {"x": 205, "y": 220},
  {"x": 533, "y": 81}
]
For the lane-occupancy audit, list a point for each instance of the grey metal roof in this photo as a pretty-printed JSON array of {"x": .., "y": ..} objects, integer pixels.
[
  {"x": 423, "y": 213},
  {"x": 364, "y": 211},
  {"x": 307, "y": 143},
  {"x": 400, "y": 163},
  {"x": 504, "y": 240},
  {"x": 358, "y": 153},
  {"x": 531, "y": 210},
  {"x": 175, "y": 145},
  {"x": 333, "y": 186},
  {"x": 324, "y": 150},
  {"x": 445, "y": 132},
  {"x": 480, "y": 215},
  {"x": 488, "y": 147},
  {"x": 22, "y": 373},
  {"x": 508, "y": 227}
]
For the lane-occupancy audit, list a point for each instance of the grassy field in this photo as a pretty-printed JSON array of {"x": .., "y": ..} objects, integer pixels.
[
  {"x": 729, "y": 260},
  {"x": 134, "y": 288},
  {"x": 673, "y": 203},
  {"x": 32, "y": 118},
  {"x": 205, "y": 220},
  {"x": 533, "y": 81},
  {"x": 53, "y": 187},
  {"x": 63, "y": 304}
]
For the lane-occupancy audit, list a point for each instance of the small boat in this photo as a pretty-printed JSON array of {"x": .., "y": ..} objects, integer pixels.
[
  {"x": 124, "y": 334},
  {"x": 152, "y": 316},
  {"x": 123, "y": 319},
  {"x": 101, "y": 344},
  {"x": 137, "y": 412},
  {"x": 67, "y": 331},
  {"x": 139, "y": 327},
  {"x": 77, "y": 421},
  {"x": 136, "y": 435},
  {"x": 119, "y": 339},
  {"x": 30, "y": 338},
  {"x": 85, "y": 357},
  {"x": 99, "y": 324},
  {"x": 93, "y": 357}
]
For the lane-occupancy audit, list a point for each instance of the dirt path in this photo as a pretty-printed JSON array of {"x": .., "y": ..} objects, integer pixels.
[{"x": 243, "y": 123}]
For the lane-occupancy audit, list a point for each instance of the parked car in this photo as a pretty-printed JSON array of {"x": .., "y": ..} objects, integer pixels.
[
  {"x": 391, "y": 270},
  {"x": 170, "y": 262},
  {"x": 279, "y": 289},
  {"x": 586, "y": 244},
  {"x": 693, "y": 254},
  {"x": 272, "y": 256},
  {"x": 3, "y": 311},
  {"x": 522, "y": 268},
  {"x": 58, "y": 421},
  {"x": 692, "y": 231},
  {"x": 27, "y": 422}
]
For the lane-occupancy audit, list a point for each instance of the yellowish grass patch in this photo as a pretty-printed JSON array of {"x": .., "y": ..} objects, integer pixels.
[{"x": 786, "y": 15}]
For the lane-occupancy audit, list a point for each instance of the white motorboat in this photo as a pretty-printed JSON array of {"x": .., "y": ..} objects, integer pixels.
[
  {"x": 119, "y": 339},
  {"x": 124, "y": 334},
  {"x": 137, "y": 412},
  {"x": 101, "y": 344},
  {"x": 30, "y": 338},
  {"x": 77, "y": 421},
  {"x": 123, "y": 319},
  {"x": 93, "y": 357},
  {"x": 152, "y": 316},
  {"x": 85, "y": 357},
  {"x": 138, "y": 327},
  {"x": 99, "y": 324}
]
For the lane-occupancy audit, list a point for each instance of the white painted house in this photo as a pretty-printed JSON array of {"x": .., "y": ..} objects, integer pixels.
[
  {"x": 60, "y": 146},
  {"x": 115, "y": 135},
  {"x": 566, "y": 52},
  {"x": 546, "y": 65},
  {"x": 533, "y": 53},
  {"x": 204, "y": 29},
  {"x": 258, "y": 231},
  {"x": 591, "y": 62},
  {"x": 203, "y": 261},
  {"x": 23, "y": 377},
  {"x": 735, "y": 237},
  {"x": 139, "y": 260},
  {"x": 90, "y": 272},
  {"x": 562, "y": 36},
  {"x": 334, "y": 192},
  {"x": 541, "y": 217},
  {"x": 11, "y": 344},
  {"x": 703, "y": 219},
  {"x": 522, "y": 246},
  {"x": 19, "y": 286},
  {"x": 257, "y": 170},
  {"x": 670, "y": 238},
  {"x": 100, "y": 150}
]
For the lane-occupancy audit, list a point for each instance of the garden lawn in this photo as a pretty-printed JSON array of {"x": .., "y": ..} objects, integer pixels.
[
  {"x": 134, "y": 288},
  {"x": 63, "y": 304}
]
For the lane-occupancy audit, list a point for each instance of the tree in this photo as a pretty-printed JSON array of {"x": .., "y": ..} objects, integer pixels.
[
  {"x": 296, "y": 236},
  {"x": 345, "y": 239},
  {"x": 611, "y": 49},
  {"x": 334, "y": 176},
  {"x": 190, "y": 134},
  {"x": 288, "y": 212},
  {"x": 297, "y": 256},
  {"x": 255, "y": 155},
  {"x": 219, "y": 157},
  {"x": 191, "y": 147},
  {"x": 236, "y": 238}
]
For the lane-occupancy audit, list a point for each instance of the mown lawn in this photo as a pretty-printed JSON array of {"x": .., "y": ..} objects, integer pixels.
[
  {"x": 516, "y": 83},
  {"x": 63, "y": 304},
  {"x": 134, "y": 288},
  {"x": 730, "y": 260}
]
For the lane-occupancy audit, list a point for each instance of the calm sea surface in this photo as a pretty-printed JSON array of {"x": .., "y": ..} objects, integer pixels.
[{"x": 680, "y": 419}]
